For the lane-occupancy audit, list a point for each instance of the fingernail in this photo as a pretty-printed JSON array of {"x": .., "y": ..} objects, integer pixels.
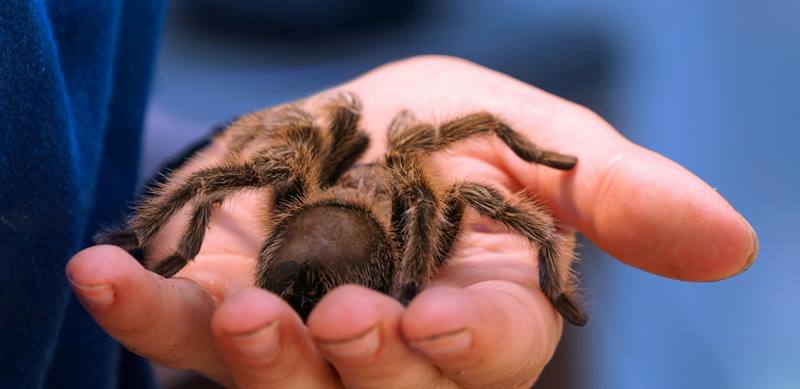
[
  {"x": 446, "y": 344},
  {"x": 754, "y": 251},
  {"x": 261, "y": 344},
  {"x": 96, "y": 296},
  {"x": 360, "y": 346}
]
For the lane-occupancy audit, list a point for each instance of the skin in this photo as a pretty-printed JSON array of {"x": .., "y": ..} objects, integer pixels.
[{"x": 483, "y": 321}]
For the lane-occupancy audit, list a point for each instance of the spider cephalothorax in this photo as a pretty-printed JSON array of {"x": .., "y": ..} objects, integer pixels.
[{"x": 385, "y": 225}]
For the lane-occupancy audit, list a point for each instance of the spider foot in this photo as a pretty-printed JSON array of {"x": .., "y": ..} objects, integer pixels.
[
  {"x": 558, "y": 161},
  {"x": 123, "y": 238},
  {"x": 569, "y": 311},
  {"x": 407, "y": 293},
  {"x": 167, "y": 267}
]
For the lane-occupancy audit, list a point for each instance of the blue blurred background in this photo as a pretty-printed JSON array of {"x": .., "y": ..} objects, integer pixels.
[{"x": 711, "y": 84}]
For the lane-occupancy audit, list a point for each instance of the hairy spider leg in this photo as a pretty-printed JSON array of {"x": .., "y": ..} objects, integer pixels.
[
  {"x": 415, "y": 222},
  {"x": 484, "y": 123},
  {"x": 215, "y": 193},
  {"x": 157, "y": 208},
  {"x": 409, "y": 135},
  {"x": 348, "y": 142},
  {"x": 122, "y": 237},
  {"x": 291, "y": 169},
  {"x": 192, "y": 238},
  {"x": 217, "y": 183},
  {"x": 167, "y": 199},
  {"x": 527, "y": 218},
  {"x": 421, "y": 137},
  {"x": 263, "y": 126},
  {"x": 451, "y": 226}
]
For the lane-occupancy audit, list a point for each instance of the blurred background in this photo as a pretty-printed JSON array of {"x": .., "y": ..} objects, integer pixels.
[{"x": 711, "y": 84}]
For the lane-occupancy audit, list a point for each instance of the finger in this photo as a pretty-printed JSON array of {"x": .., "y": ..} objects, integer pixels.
[
  {"x": 164, "y": 320},
  {"x": 648, "y": 211},
  {"x": 357, "y": 329},
  {"x": 494, "y": 334},
  {"x": 266, "y": 345}
]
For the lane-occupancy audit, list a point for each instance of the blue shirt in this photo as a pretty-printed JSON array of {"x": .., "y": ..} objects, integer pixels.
[{"x": 74, "y": 78}]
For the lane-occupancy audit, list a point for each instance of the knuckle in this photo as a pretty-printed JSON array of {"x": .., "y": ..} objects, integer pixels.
[{"x": 433, "y": 63}]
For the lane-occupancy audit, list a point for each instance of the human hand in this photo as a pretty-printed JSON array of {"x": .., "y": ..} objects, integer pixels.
[{"x": 482, "y": 322}]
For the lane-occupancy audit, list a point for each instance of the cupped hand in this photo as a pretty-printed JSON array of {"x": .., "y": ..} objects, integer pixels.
[{"x": 482, "y": 322}]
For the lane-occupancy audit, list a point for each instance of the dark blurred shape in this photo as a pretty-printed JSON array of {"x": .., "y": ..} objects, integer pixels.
[{"x": 301, "y": 19}]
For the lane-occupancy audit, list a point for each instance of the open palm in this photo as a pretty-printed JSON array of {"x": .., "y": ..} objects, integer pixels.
[{"x": 482, "y": 322}]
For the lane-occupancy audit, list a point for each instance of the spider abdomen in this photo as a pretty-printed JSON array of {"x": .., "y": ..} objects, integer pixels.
[{"x": 318, "y": 248}]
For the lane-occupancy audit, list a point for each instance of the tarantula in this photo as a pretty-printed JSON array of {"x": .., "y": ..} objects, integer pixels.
[{"x": 385, "y": 225}]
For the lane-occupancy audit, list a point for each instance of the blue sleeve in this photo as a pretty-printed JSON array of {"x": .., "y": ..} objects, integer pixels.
[{"x": 74, "y": 76}]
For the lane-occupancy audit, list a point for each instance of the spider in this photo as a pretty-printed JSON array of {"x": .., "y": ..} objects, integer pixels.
[{"x": 386, "y": 225}]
